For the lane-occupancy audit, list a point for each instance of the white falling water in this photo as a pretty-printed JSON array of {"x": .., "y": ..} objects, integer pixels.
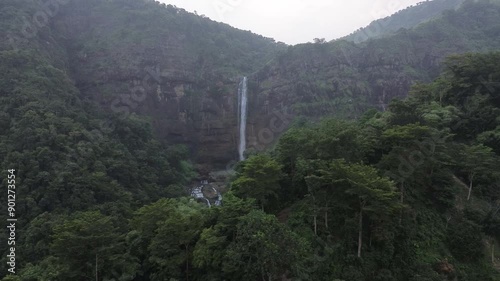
[
  {"x": 197, "y": 193},
  {"x": 218, "y": 202},
  {"x": 242, "y": 116}
]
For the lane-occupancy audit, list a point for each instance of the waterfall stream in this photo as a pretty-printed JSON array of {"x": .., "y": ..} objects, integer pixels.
[
  {"x": 197, "y": 193},
  {"x": 242, "y": 116}
]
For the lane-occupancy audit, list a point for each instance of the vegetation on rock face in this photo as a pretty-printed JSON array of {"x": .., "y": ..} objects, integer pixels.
[
  {"x": 182, "y": 70},
  {"x": 345, "y": 79},
  {"x": 143, "y": 57},
  {"x": 410, "y": 193},
  {"x": 406, "y": 19}
]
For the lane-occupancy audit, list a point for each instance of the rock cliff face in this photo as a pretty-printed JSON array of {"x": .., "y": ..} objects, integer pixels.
[{"x": 182, "y": 71}]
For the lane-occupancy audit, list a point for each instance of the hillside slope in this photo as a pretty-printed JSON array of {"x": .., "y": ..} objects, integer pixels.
[
  {"x": 406, "y": 18},
  {"x": 344, "y": 79},
  {"x": 128, "y": 56},
  {"x": 182, "y": 71}
]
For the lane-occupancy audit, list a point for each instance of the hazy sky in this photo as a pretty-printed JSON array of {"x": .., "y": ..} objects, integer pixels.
[{"x": 295, "y": 21}]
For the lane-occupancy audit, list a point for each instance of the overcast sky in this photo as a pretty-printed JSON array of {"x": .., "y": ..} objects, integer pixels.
[{"x": 295, "y": 21}]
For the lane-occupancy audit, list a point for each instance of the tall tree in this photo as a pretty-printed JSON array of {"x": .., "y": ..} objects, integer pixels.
[
  {"x": 264, "y": 249},
  {"x": 172, "y": 247},
  {"x": 258, "y": 179},
  {"x": 210, "y": 249},
  {"x": 476, "y": 160},
  {"x": 163, "y": 236},
  {"x": 364, "y": 190},
  {"x": 92, "y": 248}
]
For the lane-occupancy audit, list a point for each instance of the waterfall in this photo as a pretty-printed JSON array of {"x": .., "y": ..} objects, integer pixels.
[
  {"x": 197, "y": 193},
  {"x": 218, "y": 202},
  {"x": 208, "y": 202},
  {"x": 242, "y": 116}
]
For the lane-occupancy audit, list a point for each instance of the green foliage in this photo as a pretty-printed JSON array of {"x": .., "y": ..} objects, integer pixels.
[
  {"x": 90, "y": 244},
  {"x": 344, "y": 79},
  {"x": 264, "y": 249},
  {"x": 406, "y": 18},
  {"x": 163, "y": 235},
  {"x": 171, "y": 248},
  {"x": 384, "y": 197},
  {"x": 464, "y": 239},
  {"x": 418, "y": 143},
  {"x": 210, "y": 251},
  {"x": 258, "y": 179}
]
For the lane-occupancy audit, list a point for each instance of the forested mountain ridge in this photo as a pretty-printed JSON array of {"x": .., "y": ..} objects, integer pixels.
[
  {"x": 407, "y": 18},
  {"x": 345, "y": 79},
  {"x": 147, "y": 58},
  {"x": 183, "y": 70}
]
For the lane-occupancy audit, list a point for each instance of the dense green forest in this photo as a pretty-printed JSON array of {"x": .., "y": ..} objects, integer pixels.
[
  {"x": 70, "y": 157},
  {"x": 409, "y": 193}
]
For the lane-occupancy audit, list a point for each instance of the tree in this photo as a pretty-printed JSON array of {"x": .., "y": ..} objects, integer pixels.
[
  {"x": 258, "y": 179},
  {"x": 465, "y": 240},
  {"x": 319, "y": 40},
  {"x": 264, "y": 249},
  {"x": 414, "y": 156},
  {"x": 172, "y": 247},
  {"x": 163, "y": 236},
  {"x": 476, "y": 160},
  {"x": 91, "y": 247},
  {"x": 210, "y": 249},
  {"x": 321, "y": 191},
  {"x": 363, "y": 189}
]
